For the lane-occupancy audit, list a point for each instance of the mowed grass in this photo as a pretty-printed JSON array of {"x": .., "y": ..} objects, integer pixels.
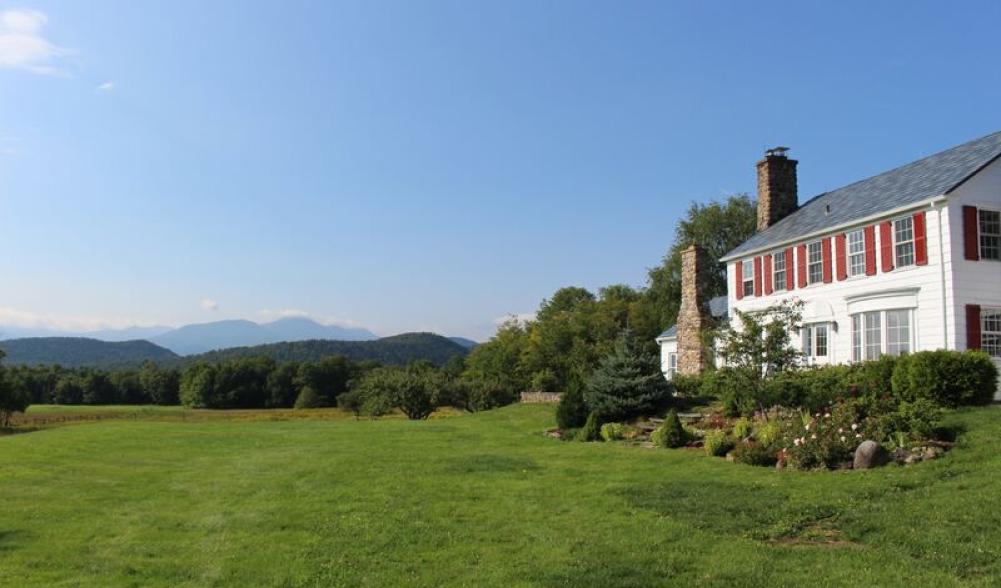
[{"x": 477, "y": 500}]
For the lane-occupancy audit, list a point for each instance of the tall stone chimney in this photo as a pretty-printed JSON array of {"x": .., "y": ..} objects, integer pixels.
[
  {"x": 777, "y": 197},
  {"x": 692, "y": 317}
]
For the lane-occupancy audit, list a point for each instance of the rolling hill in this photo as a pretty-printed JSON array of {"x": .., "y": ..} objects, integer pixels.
[
  {"x": 395, "y": 350},
  {"x": 81, "y": 351}
]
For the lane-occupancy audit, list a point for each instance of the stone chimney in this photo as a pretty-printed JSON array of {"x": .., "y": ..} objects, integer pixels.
[
  {"x": 692, "y": 317},
  {"x": 777, "y": 197}
]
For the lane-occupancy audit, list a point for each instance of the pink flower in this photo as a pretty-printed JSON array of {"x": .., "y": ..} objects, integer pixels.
[
  {"x": 854, "y": 426},
  {"x": 842, "y": 438},
  {"x": 814, "y": 436},
  {"x": 858, "y": 435},
  {"x": 827, "y": 415},
  {"x": 841, "y": 430}
]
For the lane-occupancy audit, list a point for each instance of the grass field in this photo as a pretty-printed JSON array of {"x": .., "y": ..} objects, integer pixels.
[{"x": 479, "y": 500}]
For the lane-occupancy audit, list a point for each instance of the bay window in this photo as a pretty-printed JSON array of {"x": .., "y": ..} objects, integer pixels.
[
  {"x": 881, "y": 332},
  {"x": 672, "y": 365}
]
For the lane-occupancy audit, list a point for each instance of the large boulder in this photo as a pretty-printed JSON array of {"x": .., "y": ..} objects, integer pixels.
[{"x": 870, "y": 455}]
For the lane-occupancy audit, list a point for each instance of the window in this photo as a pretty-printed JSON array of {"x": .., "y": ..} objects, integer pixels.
[
  {"x": 747, "y": 273},
  {"x": 881, "y": 332},
  {"x": 856, "y": 253},
  {"x": 872, "y": 333},
  {"x": 815, "y": 340},
  {"x": 779, "y": 270},
  {"x": 672, "y": 365},
  {"x": 990, "y": 331},
  {"x": 903, "y": 239},
  {"x": 815, "y": 263},
  {"x": 856, "y": 337},
  {"x": 898, "y": 332},
  {"x": 990, "y": 234}
]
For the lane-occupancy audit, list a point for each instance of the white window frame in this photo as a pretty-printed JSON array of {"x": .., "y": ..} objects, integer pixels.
[
  {"x": 747, "y": 277},
  {"x": 875, "y": 324},
  {"x": 811, "y": 262},
  {"x": 811, "y": 335},
  {"x": 989, "y": 241},
  {"x": 856, "y": 255},
  {"x": 672, "y": 364},
  {"x": 990, "y": 331},
  {"x": 903, "y": 248},
  {"x": 776, "y": 257}
]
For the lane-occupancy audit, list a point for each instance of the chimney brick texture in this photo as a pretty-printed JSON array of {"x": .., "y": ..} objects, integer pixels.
[
  {"x": 777, "y": 194},
  {"x": 692, "y": 317}
]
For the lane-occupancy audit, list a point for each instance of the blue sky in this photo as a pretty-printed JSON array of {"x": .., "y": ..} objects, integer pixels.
[{"x": 431, "y": 165}]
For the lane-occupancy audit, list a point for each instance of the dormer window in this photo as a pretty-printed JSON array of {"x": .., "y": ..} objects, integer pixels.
[
  {"x": 815, "y": 263},
  {"x": 747, "y": 275}
]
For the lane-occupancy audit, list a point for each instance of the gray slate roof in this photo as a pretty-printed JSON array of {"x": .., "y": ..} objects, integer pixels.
[
  {"x": 718, "y": 308},
  {"x": 935, "y": 175}
]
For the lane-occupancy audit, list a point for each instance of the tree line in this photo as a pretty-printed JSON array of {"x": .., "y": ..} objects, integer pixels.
[{"x": 574, "y": 328}]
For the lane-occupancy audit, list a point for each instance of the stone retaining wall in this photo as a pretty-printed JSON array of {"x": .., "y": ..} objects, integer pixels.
[{"x": 540, "y": 397}]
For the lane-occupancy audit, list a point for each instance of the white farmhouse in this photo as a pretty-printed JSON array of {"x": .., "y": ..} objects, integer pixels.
[{"x": 904, "y": 261}]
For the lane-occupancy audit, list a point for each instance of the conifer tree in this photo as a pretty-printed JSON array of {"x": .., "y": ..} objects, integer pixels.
[{"x": 627, "y": 383}]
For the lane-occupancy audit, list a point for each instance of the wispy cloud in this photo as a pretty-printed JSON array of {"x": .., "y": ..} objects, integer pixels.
[
  {"x": 107, "y": 86},
  {"x": 23, "y": 47},
  {"x": 209, "y": 304},
  {"x": 13, "y": 317},
  {"x": 269, "y": 314}
]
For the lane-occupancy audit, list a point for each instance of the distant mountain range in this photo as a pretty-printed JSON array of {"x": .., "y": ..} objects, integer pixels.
[
  {"x": 83, "y": 352},
  {"x": 199, "y": 338},
  {"x": 203, "y": 337}
]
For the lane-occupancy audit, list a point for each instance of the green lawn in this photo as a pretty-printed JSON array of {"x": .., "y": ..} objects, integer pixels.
[{"x": 481, "y": 500}]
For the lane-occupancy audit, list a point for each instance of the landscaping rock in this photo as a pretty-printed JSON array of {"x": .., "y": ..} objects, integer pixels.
[
  {"x": 913, "y": 458},
  {"x": 900, "y": 455},
  {"x": 870, "y": 455},
  {"x": 846, "y": 465},
  {"x": 932, "y": 452}
]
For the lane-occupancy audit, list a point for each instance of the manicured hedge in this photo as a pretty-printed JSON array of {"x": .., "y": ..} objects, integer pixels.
[{"x": 948, "y": 378}]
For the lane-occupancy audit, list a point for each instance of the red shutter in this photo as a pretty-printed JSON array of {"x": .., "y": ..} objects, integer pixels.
[
  {"x": 886, "y": 245},
  {"x": 971, "y": 239},
  {"x": 841, "y": 256},
  {"x": 738, "y": 270},
  {"x": 825, "y": 248},
  {"x": 757, "y": 276},
  {"x": 801, "y": 266},
  {"x": 920, "y": 239},
  {"x": 973, "y": 326},
  {"x": 790, "y": 270},
  {"x": 768, "y": 274},
  {"x": 870, "y": 251}
]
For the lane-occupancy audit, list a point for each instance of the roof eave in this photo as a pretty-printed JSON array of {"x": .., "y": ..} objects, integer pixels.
[{"x": 826, "y": 230}]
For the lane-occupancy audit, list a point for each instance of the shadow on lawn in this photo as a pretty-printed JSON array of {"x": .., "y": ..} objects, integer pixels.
[
  {"x": 753, "y": 512},
  {"x": 8, "y": 538}
]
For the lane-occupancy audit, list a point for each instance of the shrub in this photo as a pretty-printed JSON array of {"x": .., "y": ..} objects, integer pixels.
[
  {"x": 742, "y": 428},
  {"x": 823, "y": 439},
  {"x": 571, "y": 412},
  {"x": 756, "y": 454},
  {"x": 591, "y": 431},
  {"x": 950, "y": 378},
  {"x": 767, "y": 433},
  {"x": 717, "y": 442},
  {"x": 671, "y": 433},
  {"x": 308, "y": 398},
  {"x": 686, "y": 386},
  {"x": 545, "y": 381},
  {"x": 872, "y": 378},
  {"x": 613, "y": 431},
  {"x": 737, "y": 389}
]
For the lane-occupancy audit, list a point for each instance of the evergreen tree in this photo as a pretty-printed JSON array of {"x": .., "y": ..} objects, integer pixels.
[
  {"x": 627, "y": 383},
  {"x": 671, "y": 433},
  {"x": 571, "y": 412}
]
